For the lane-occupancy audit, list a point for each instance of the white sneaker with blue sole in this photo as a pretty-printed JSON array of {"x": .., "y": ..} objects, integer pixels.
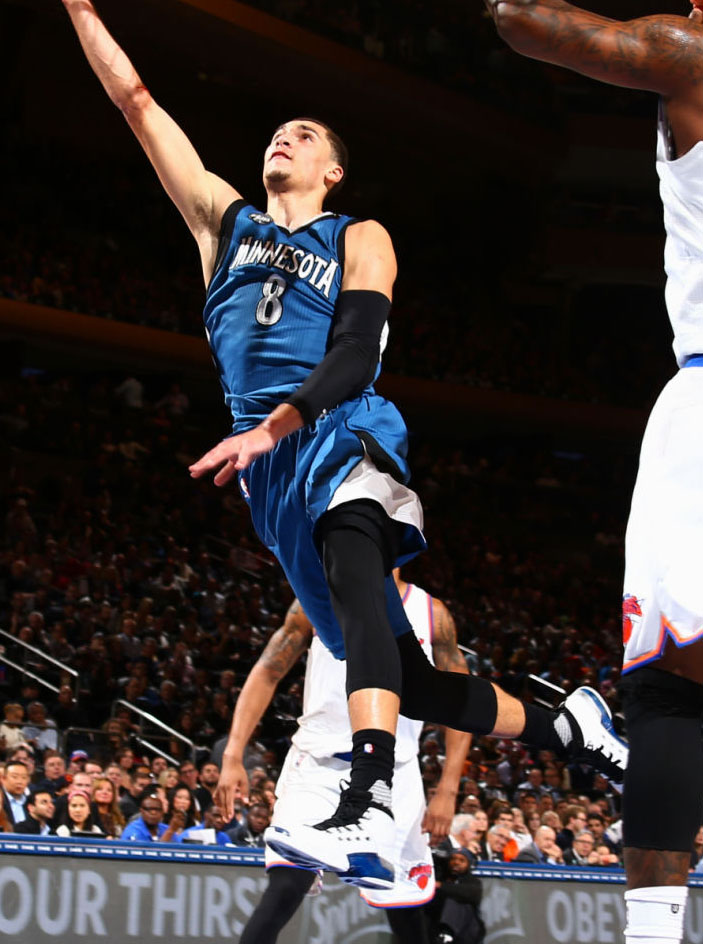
[
  {"x": 595, "y": 741},
  {"x": 356, "y": 842}
]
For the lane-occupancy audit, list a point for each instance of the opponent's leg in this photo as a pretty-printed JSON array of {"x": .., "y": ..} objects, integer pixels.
[
  {"x": 662, "y": 801},
  {"x": 284, "y": 894},
  {"x": 409, "y": 925}
]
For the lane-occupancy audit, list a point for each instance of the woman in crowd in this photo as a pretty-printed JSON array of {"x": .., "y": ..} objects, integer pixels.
[
  {"x": 182, "y": 800},
  {"x": 77, "y": 818},
  {"x": 105, "y": 809}
]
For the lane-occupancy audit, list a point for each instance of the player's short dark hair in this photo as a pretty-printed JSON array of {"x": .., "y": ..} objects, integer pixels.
[{"x": 340, "y": 152}]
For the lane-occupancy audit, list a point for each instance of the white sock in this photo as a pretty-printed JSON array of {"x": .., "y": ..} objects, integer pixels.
[{"x": 655, "y": 915}]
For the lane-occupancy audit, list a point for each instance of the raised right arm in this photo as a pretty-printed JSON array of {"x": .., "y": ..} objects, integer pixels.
[
  {"x": 282, "y": 651},
  {"x": 200, "y": 196}
]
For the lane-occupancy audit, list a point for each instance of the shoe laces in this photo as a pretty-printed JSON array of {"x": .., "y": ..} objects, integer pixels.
[{"x": 353, "y": 804}]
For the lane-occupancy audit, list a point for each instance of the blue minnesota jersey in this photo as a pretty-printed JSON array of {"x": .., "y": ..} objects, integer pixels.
[{"x": 270, "y": 305}]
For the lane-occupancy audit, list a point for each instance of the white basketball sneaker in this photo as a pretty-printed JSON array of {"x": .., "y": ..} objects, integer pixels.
[
  {"x": 356, "y": 842},
  {"x": 594, "y": 739}
]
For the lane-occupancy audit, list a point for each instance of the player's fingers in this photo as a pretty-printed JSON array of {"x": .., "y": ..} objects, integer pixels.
[{"x": 226, "y": 473}]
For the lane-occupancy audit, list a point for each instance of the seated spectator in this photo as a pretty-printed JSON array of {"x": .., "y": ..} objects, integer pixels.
[
  {"x": 181, "y": 800},
  {"x": 40, "y": 812},
  {"x": 209, "y": 778},
  {"x": 77, "y": 761},
  {"x": 582, "y": 851},
  {"x": 149, "y": 825},
  {"x": 606, "y": 857},
  {"x": 105, "y": 808},
  {"x": 454, "y": 912},
  {"x": 252, "y": 832},
  {"x": 15, "y": 790},
  {"x": 169, "y": 778},
  {"x": 78, "y": 818},
  {"x": 596, "y": 824},
  {"x": 81, "y": 782},
  {"x": 54, "y": 772},
  {"x": 574, "y": 820},
  {"x": 11, "y": 735},
  {"x": 93, "y": 768},
  {"x": 40, "y": 730},
  {"x": 114, "y": 774},
  {"x": 543, "y": 850},
  {"x": 211, "y": 831},
  {"x": 497, "y": 839},
  {"x": 140, "y": 778}
]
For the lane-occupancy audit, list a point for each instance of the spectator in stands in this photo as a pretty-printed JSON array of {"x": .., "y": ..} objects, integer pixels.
[
  {"x": 252, "y": 832},
  {"x": 181, "y": 800},
  {"x": 582, "y": 851},
  {"x": 78, "y": 817},
  {"x": 114, "y": 774},
  {"x": 211, "y": 830},
  {"x": 574, "y": 821},
  {"x": 158, "y": 765},
  {"x": 209, "y": 777},
  {"x": 93, "y": 768},
  {"x": 596, "y": 824},
  {"x": 40, "y": 812},
  {"x": 140, "y": 778},
  {"x": 11, "y": 735},
  {"x": 543, "y": 850},
  {"x": 606, "y": 857},
  {"x": 105, "y": 808},
  {"x": 15, "y": 790},
  {"x": 149, "y": 825},
  {"x": 77, "y": 761},
  {"x": 54, "y": 772},
  {"x": 497, "y": 839},
  {"x": 40, "y": 730},
  {"x": 169, "y": 778}
]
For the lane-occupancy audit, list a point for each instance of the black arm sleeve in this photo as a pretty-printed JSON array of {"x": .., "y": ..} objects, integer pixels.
[{"x": 353, "y": 355}]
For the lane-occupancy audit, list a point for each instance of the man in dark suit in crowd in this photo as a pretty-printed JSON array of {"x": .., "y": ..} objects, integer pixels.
[
  {"x": 40, "y": 811},
  {"x": 14, "y": 791}
]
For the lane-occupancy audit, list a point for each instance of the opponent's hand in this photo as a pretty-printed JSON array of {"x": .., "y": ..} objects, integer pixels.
[
  {"x": 234, "y": 454},
  {"x": 438, "y": 816},
  {"x": 232, "y": 785},
  {"x": 696, "y": 13}
]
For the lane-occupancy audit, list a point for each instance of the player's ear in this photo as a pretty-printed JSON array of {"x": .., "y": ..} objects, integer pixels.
[{"x": 334, "y": 175}]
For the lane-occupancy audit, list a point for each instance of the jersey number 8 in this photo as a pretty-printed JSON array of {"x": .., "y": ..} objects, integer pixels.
[{"x": 270, "y": 309}]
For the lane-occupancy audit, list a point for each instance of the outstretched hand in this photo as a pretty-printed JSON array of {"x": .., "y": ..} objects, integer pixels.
[
  {"x": 696, "y": 13},
  {"x": 233, "y": 454}
]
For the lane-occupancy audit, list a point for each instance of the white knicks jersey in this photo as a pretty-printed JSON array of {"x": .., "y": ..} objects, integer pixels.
[
  {"x": 324, "y": 728},
  {"x": 681, "y": 189}
]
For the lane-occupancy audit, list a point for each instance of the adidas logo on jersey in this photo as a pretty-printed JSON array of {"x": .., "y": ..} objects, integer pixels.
[{"x": 262, "y": 218}]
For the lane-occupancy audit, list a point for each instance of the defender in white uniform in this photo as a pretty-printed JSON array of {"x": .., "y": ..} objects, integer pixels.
[
  {"x": 663, "y": 592},
  {"x": 320, "y": 756}
]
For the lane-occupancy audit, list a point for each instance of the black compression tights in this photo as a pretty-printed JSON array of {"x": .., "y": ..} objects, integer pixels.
[
  {"x": 409, "y": 925},
  {"x": 358, "y": 550},
  {"x": 284, "y": 894}
]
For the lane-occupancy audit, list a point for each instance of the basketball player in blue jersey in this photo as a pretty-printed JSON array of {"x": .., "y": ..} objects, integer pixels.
[
  {"x": 663, "y": 599},
  {"x": 296, "y": 312}
]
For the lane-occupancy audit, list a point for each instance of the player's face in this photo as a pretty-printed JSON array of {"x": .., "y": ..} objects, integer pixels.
[{"x": 300, "y": 157}]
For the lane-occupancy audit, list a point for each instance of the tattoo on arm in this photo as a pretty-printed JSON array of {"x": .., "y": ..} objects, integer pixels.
[
  {"x": 447, "y": 656},
  {"x": 661, "y": 53},
  {"x": 288, "y": 643}
]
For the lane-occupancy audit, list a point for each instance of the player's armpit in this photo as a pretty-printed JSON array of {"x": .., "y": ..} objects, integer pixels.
[{"x": 659, "y": 53}]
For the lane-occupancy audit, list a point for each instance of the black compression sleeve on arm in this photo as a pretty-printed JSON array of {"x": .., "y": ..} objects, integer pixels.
[{"x": 351, "y": 361}]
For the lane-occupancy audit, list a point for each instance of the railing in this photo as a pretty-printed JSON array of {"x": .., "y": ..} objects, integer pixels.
[
  {"x": 28, "y": 649},
  {"x": 147, "y": 719}
]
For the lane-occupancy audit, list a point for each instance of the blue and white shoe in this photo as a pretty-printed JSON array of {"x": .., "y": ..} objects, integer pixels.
[
  {"x": 356, "y": 842},
  {"x": 594, "y": 739}
]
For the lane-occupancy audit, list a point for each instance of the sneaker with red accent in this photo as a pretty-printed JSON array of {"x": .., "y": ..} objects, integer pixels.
[{"x": 356, "y": 842}]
